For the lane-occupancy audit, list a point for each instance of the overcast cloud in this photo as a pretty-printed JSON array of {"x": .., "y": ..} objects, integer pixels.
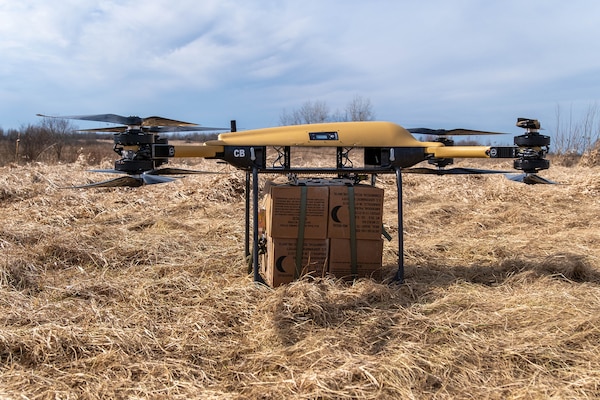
[{"x": 439, "y": 64}]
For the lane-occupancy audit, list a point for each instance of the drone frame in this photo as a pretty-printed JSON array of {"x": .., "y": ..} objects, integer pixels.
[{"x": 388, "y": 149}]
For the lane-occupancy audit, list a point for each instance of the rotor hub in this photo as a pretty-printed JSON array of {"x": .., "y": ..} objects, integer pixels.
[
  {"x": 532, "y": 147},
  {"x": 140, "y": 151},
  {"x": 134, "y": 137}
]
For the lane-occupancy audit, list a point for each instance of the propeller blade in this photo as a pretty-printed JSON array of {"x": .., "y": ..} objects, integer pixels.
[
  {"x": 149, "y": 179},
  {"x": 530, "y": 179},
  {"x": 107, "y": 171},
  {"x": 112, "y": 118},
  {"x": 108, "y": 129},
  {"x": 160, "y": 121},
  {"x": 179, "y": 171},
  {"x": 453, "y": 171},
  {"x": 156, "y": 129},
  {"x": 152, "y": 124},
  {"x": 131, "y": 120},
  {"x": 162, "y": 171},
  {"x": 194, "y": 128},
  {"x": 123, "y": 181},
  {"x": 452, "y": 132}
]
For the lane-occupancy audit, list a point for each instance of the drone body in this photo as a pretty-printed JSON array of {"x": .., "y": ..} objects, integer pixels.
[{"x": 385, "y": 148}]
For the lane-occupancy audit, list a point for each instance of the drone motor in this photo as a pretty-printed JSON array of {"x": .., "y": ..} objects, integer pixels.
[
  {"x": 532, "y": 147},
  {"x": 141, "y": 151}
]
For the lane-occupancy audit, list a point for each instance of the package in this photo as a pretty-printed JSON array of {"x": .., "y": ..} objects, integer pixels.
[
  {"x": 368, "y": 212},
  {"x": 369, "y": 254},
  {"x": 283, "y": 204},
  {"x": 280, "y": 260},
  {"x": 328, "y": 232}
]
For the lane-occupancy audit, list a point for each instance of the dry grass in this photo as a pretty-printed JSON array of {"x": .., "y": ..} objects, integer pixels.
[{"x": 144, "y": 293}]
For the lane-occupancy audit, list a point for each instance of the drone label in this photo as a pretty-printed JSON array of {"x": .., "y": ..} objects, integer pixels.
[{"x": 239, "y": 153}]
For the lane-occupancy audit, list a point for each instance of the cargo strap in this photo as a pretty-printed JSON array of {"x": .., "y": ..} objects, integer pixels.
[
  {"x": 353, "y": 250},
  {"x": 301, "y": 223},
  {"x": 385, "y": 233}
]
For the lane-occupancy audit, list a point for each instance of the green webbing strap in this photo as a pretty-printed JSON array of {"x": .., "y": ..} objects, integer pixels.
[
  {"x": 352, "y": 231},
  {"x": 385, "y": 233},
  {"x": 300, "y": 241}
]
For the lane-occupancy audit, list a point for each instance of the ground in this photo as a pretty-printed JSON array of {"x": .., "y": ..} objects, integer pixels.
[{"x": 145, "y": 293}]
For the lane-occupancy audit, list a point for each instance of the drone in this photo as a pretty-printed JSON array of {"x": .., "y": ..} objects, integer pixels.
[{"x": 382, "y": 147}]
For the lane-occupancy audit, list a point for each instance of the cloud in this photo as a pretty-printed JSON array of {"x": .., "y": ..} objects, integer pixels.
[{"x": 251, "y": 59}]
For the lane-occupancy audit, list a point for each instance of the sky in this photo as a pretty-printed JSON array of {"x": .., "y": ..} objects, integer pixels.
[{"x": 472, "y": 64}]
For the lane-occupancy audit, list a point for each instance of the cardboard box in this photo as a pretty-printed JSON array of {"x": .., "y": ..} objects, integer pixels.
[
  {"x": 282, "y": 204},
  {"x": 369, "y": 254},
  {"x": 368, "y": 211},
  {"x": 280, "y": 260}
]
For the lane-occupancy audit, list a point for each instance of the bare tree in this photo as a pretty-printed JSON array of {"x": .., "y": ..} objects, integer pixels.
[
  {"x": 359, "y": 109},
  {"x": 309, "y": 113},
  {"x": 34, "y": 141},
  {"x": 577, "y": 136},
  {"x": 59, "y": 131},
  {"x": 45, "y": 141}
]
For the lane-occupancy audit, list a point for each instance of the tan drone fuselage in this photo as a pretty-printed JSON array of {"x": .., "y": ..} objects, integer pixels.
[{"x": 334, "y": 134}]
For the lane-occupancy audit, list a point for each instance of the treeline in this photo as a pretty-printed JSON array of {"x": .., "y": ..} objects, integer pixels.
[
  {"x": 315, "y": 112},
  {"x": 59, "y": 141},
  {"x": 52, "y": 140}
]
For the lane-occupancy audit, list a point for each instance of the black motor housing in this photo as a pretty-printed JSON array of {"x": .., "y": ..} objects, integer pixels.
[{"x": 532, "y": 147}]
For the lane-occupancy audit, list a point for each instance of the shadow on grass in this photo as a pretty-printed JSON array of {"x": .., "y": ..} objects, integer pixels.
[{"x": 565, "y": 266}]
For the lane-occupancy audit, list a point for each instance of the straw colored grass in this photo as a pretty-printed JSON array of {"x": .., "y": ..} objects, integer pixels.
[{"x": 144, "y": 293}]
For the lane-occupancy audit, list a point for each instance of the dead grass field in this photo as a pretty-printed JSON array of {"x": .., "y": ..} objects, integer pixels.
[{"x": 144, "y": 293}]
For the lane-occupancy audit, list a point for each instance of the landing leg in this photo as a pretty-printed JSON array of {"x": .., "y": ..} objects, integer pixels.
[
  {"x": 247, "y": 238},
  {"x": 257, "y": 277},
  {"x": 400, "y": 274}
]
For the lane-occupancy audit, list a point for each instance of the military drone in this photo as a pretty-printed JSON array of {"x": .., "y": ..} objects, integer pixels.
[{"x": 382, "y": 147}]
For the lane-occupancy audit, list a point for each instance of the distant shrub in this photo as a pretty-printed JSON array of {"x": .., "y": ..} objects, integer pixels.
[
  {"x": 591, "y": 158},
  {"x": 52, "y": 141}
]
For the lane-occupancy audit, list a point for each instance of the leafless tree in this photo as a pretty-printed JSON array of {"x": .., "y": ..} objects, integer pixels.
[
  {"x": 576, "y": 136},
  {"x": 309, "y": 113},
  {"x": 58, "y": 131},
  {"x": 359, "y": 109}
]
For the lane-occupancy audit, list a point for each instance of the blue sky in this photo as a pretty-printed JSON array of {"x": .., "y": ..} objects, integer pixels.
[{"x": 437, "y": 64}]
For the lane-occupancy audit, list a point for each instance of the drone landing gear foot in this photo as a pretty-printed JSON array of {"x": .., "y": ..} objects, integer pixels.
[{"x": 398, "y": 278}]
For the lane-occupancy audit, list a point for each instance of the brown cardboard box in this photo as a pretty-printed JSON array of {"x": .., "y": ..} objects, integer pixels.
[
  {"x": 283, "y": 211},
  {"x": 368, "y": 211},
  {"x": 280, "y": 260},
  {"x": 369, "y": 255}
]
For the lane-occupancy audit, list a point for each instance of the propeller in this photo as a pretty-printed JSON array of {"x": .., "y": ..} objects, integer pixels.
[
  {"x": 452, "y": 171},
  {"x": 153, "y": 129},
  {"x": 151, "y": 177},
  {"x": 148, "y": 124},
  {"x": 122, "y": 181},
  {"x": 451, "y": 132},
  {"x": 527, "y": 178},
  {"x": 530, "y": 179}
]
